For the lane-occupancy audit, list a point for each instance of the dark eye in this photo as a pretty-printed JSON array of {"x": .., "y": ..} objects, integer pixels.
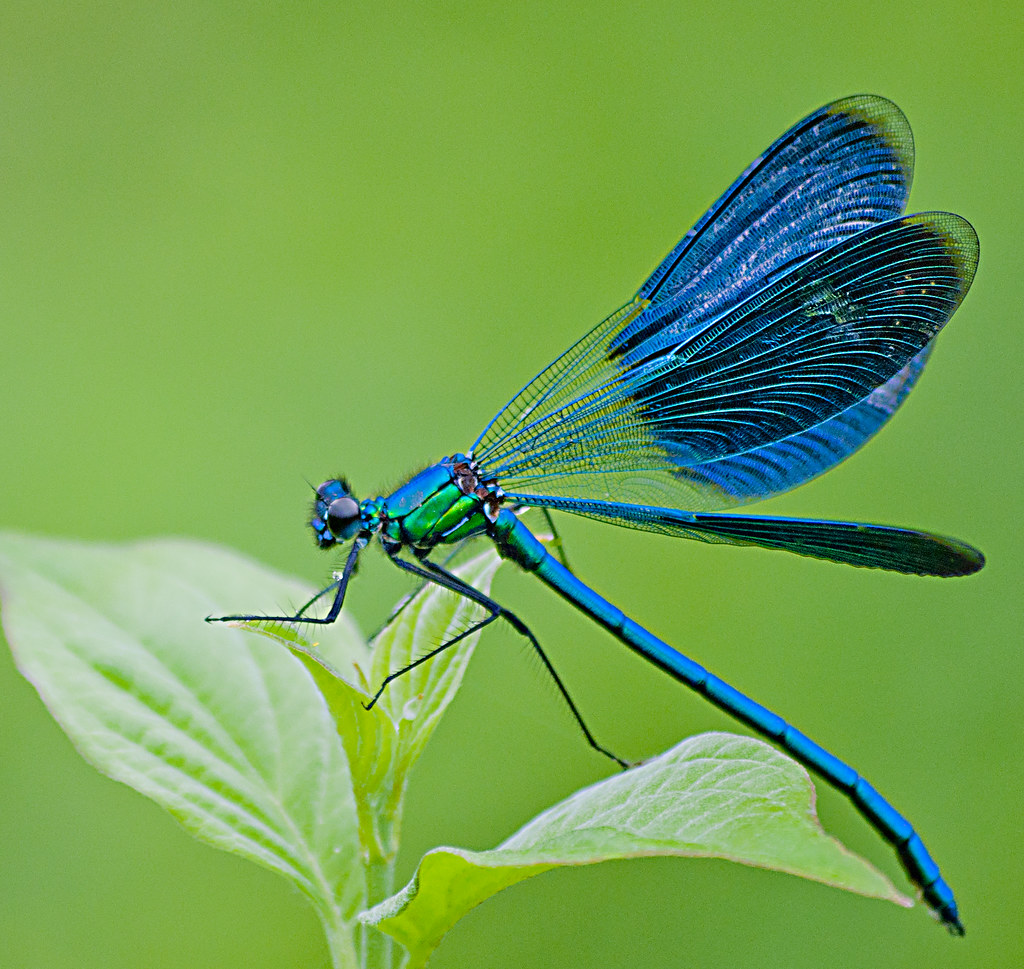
[{"x": 342, "y": 514}]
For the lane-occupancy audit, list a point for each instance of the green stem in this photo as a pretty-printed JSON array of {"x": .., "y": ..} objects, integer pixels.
[
  {"x": 340, "y": 942},
  {"x": 378, "y": 950}
]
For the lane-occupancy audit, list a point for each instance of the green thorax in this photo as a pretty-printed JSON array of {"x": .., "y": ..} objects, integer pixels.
[{"x": 438, "y": 506}]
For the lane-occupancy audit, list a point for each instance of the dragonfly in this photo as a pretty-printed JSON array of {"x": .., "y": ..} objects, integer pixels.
[{"x": 782, "y": 332}]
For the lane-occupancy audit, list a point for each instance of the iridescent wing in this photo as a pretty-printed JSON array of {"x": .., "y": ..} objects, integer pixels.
[
  {"x": 666, "y": 414},
  {"x": 844, "y": 168},
  {"x": 852, "y": 543}
]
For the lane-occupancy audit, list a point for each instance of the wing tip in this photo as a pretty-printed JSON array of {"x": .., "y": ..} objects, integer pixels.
[
  {"x": 887, "y": 118},
  {"x": 963, "y": 559},
  {"x": 959, "y": 237}
]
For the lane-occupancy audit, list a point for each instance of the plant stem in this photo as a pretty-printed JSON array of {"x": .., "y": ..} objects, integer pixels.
[
  {"x": 377, "y": 949},
  {"x": 339, "y": 942}
]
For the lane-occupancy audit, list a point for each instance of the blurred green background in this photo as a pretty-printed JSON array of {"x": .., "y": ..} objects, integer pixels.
[{"x": 246, "y": 244}]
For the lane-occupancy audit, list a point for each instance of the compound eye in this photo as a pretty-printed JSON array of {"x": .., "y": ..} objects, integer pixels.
[{"x": 342, "y": 514}]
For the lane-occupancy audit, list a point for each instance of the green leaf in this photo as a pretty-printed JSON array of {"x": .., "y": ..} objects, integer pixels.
[
  {"x": 278, "y": 761},
  {"x": 416, "y": 701},
  {"x": 714, "y": 795},
  {"x": 224, "y": 730},
  {"x": 383, "y": 743}
]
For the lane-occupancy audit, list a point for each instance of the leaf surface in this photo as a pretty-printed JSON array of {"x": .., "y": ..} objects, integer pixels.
[
  {"x": 223, "y": 729},
  {"x": 715, "y": 795}
]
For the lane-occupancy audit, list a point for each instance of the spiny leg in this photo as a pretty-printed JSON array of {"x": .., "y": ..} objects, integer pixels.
[
  {"x": 428, "y": 656},
  {"x": 440, "y": 576},
  {"x": 340, "y": 584}
]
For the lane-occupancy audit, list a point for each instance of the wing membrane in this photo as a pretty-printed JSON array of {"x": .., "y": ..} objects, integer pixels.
[
  {"x": 806, "y": 348},
  {"x": 781, "y": 465},
  {"x": 843, "y": 168},
  {"x": 812, "y": 363},
  {"x": 870, "y": 546}
]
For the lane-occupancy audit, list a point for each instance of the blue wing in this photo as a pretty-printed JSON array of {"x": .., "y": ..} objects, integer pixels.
[
  {"x": 846, "y": 167},
  {"x": 781, "y": 333},
  {"x": 824, "y": 352},
  {"x": 843, "y": 168},
  {"x": 852, "y": 543}
]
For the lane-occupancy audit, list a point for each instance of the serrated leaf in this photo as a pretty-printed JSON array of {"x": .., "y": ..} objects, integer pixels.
[
  {"x": 225, "y": 731},
  {"x": 714, "y": 795}
]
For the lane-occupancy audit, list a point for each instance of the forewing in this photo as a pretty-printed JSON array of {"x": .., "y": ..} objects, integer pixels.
[{"x": 843, "y": 168}]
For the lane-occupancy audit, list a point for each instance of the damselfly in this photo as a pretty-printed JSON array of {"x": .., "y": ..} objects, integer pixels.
[{"x": 782, "y": 332}]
